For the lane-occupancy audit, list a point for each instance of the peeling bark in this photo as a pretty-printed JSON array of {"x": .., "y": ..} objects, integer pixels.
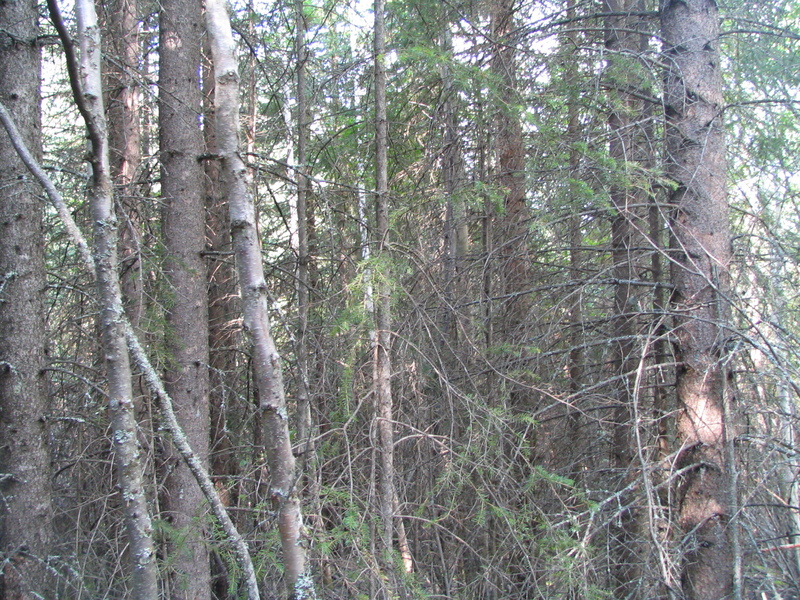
[{"x": 144, "y": 572}]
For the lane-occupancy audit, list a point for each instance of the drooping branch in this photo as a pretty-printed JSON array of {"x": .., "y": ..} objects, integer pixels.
[{"x": 52, "y": 193}]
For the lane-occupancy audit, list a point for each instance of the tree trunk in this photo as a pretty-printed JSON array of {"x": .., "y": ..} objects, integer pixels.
[
  {"x": 701, "y": 250},
  {"x": 186, "y": 380},
  {"x": 223, "y": 337},
  {"x": 266, "y": 361},
  {"x": 26, "y": 532},
  {"x": 511, "y": 231},
  {"x": 124, "y": 139},
  {"x": 304, "y": 422},
  {"x": 382, "y": 375},
  {"x": 87, "y": 90},
  {"x": 624, "y": 42}
]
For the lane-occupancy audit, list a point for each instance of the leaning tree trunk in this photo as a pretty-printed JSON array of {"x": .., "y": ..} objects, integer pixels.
[
  {"x": 701, "y": 251},
  {"x": 183, "y": 191},
  {"x": 86, "y": 83},
  {"x": 26, "y": 530},
  {"x": 247, "y": 250}
]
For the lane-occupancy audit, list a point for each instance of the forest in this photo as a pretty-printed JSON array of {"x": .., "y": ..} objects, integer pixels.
[{"x": 400, "y": 299}]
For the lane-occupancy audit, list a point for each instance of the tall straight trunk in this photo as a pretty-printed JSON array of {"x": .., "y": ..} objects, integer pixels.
[
  {"x": 222, "y": 306},
  {"x": 26, "y": 530},
  {"x": 266, "y": 361},
  {"x": 125, "y": 140},
  {"x": 304, "y": 422},
  {"x": 382, "y": 375},
  {"x": 511, "y": 232},
  {"x": 627, "y": 201},
  {"x": 182, "y": 191},
  {"x": 575, "y": 364},
  {"x": 86, "y": 82},
  {"x": 701, "y": 251},
  {"x": 456, "y": 235}
]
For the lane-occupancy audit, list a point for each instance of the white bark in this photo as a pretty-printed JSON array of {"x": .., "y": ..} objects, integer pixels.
[
  {"x": 247, "y": 250},
  {"x": 138, "y": 526}
]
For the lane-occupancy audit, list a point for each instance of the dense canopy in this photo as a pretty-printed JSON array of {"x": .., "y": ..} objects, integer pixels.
[{"x": 476, "y": 300}]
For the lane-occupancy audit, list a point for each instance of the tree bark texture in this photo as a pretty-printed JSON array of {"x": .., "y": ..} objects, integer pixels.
[
  {"x": 382, "y": 376},
  {"x": 183, "y": 196},
  {"x": 26, "y": 532},
  {"x": 304, "y": 422},
  {"x": 701, "y": 249},
  {"x": 512, "y": 225},
  {"x": 151, "y": 377},
  {"x": 125, "y": 141},
  {"x": 253, "y": 287},
  {"x": 222, "y": 300},
  {"x": 144, "y": 585},
  {"x": 624, "y": 41}
]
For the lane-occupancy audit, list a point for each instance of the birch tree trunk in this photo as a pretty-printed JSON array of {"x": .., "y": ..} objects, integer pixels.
[
  {"x": 702, "y": 253},
  {"x": 144, "y": 574},
  {"x": 253, "y": 287}
]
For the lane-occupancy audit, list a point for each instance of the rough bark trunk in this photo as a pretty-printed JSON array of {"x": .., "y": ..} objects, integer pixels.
[
  {"x": 382, "y": 375},
  {"x": 266, "y": 361},
  {"x": 701, "y": 250},
  {"x": 624, "y": 42},
  {"x": 304, "y": 422},
  {"x": 26, "y": 531},
  {"x": 512, "y": 224},
  {"x": 182, "y": 191},
  {"x": 575, "y": 365},
  {"x": 222, "y": 305},
  {"x": 121, "y": 21},
  {"x": 152, "y": 378}
]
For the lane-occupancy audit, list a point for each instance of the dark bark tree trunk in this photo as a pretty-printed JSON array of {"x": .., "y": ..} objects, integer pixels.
[
  {"x": 455, "y": 234},
  {"x": 183, "y": 191},
  {"x": 382, "y": 376},
  {"x": 222, "y": 305},
  {"x": 512, "y": 226},
  {"x": 26, "y": 532},
  {"x": 304, "y": 217},
  {"x": 121, "y": 21},
  {"x": 574, "y": 238},
  {"x": 701, "y": 249},
  {"x": 625, "y": 42}
]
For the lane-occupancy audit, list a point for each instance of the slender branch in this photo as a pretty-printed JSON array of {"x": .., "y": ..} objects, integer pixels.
[{"x": 55, "y": 197}]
